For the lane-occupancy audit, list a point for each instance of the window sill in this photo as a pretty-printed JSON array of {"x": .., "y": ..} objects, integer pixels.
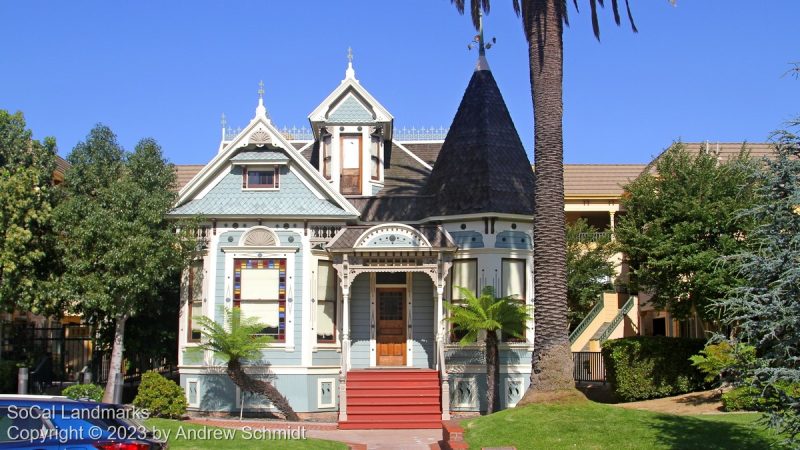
[{"x": 327, "y": 346}]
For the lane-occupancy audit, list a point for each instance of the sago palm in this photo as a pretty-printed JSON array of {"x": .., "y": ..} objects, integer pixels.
[
  {"x": 491, "y": 315},
  {"x": 237, "y": 341},
  {"x": 543, "y": 24}
]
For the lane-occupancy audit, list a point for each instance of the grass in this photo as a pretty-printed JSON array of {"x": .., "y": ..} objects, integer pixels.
[
  {"x": 587, "y": 425},
  {"x": 181, "y": 438}
]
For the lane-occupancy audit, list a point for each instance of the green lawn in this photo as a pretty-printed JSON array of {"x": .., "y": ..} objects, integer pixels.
[
  {"x": 181, "y": 438},
  {"x": 587, "y": 425}
]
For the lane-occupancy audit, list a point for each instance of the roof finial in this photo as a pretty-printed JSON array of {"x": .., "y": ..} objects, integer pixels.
[
  {"x": 481, "y": 44},
  {"x": 224, "y": 123},
  {"x": 350, "y": 72},
  {"x": 261, "y": 110}
]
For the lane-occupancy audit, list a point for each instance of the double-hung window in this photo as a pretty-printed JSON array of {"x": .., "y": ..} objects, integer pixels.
[
  {"x": 326, "y": 303},
  {"x": 195, "y": 300},
  {"x": 514, "y": 285},
  {"x": 259, "y": 290},
  {"x": 375, "y": 157},
  {"x": 463, "y": 274}
]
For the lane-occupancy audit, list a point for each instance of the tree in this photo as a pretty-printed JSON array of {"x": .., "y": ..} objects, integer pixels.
[
  {"x": 490, "y": 315},
  {"x": 119, "y": 250},
  {"x": 237, "y": 341},
  {"x": 764, "y": 311},
  {"x": 543, "y": 24},
  {"x": 27, "y": 195},
  {"x": 679, "y": 222},
  {"x": 589, "y": 268}
]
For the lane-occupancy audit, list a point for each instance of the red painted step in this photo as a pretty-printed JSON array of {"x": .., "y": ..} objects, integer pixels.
[{"x": 393, "y": 399}]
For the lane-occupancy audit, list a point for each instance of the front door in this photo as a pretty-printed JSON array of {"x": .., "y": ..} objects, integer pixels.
[{"x": 391, "y": 326}]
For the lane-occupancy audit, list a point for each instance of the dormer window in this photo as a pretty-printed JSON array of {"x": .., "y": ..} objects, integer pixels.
[
  {"x": 260, "y": 177},
  {"x": 375, "y": 157},
  {"x": 326, "y": 156}
]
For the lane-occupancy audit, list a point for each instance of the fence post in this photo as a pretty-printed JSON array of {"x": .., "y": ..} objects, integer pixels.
[
  {"x": 118, "y": 384},
  {"x": 22, "y": 381}
]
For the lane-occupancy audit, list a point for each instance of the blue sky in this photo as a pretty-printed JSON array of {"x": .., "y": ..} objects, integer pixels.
[{"x": 704, "y": 70}]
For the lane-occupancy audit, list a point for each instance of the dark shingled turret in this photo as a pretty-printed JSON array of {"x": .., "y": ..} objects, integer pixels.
[{"x": 482, "y": 167}]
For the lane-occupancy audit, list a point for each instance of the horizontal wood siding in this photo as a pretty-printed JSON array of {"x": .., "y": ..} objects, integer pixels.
[
  {"x": 359, "y": 321},
  {"x": 422, "y": 316}
]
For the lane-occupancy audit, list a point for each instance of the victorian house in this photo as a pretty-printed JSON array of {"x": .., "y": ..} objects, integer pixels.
[{"x": 347, "y": 243}]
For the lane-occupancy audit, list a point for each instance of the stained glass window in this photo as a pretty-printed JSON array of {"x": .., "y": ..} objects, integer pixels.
[{"x": 259, "y": 289}]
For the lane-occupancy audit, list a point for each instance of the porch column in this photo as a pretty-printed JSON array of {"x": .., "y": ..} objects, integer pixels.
[
  {"x": 611, "y": 224},
  {"x": 345, "y": 364},
  {"x": 440, "y": 342}
]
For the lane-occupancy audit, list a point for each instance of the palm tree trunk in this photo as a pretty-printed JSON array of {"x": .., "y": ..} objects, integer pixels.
[
  {"x": 492, "y": 373},
  {"x": 249, "y": 384},
  {"x": 552, "y": 360},
  {"x": 115, "y": 365}
]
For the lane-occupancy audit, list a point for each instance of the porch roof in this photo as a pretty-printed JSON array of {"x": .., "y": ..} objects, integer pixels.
[{"x": 348, "y": 238}]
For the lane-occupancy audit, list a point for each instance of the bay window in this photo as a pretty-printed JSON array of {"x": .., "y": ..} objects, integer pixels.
[
  {"x": 464, "y": 273},
  {"x": 514, "y": 285},
  {"x": 375, "y": 157},
  {"x": 326, "y": 303}
]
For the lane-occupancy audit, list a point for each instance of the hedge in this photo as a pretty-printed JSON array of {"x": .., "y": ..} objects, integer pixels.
[{"x": 644, "y": 367}]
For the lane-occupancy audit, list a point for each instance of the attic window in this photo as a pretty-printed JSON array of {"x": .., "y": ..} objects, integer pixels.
[{"x": 260, "y": 178}]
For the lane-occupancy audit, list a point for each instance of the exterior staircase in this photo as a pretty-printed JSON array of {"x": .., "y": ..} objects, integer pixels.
[
  {"x": 607, "y": 320},
  {"x": 393, "y": 399}
]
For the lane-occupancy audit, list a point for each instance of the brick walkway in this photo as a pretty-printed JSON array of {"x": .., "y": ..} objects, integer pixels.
[{"x": 357, "y": 439}]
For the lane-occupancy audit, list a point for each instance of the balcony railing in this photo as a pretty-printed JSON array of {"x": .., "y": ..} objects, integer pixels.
[{"x": 595, "y": 237}]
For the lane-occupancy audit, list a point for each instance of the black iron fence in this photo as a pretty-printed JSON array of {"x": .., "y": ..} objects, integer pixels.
[
  {"x": 588, "y": 366},
  {"x": 64, "y": 354}
]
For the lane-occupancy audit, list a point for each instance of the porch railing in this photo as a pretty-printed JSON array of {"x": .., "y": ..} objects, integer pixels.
[{"x": 588, "y": 366}]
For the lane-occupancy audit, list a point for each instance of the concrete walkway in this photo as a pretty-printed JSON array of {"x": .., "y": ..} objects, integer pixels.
[
  {"x": 382, "y": 439},
  {"x": 369, "y": 439}
]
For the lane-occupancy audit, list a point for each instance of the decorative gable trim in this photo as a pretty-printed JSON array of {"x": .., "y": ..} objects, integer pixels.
[
  {"x": 255, "y": 131},
  {"x": 348, "y": 85}
]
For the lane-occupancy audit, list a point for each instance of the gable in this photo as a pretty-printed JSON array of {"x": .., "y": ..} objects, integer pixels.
[{"x": 350, "y": 110}]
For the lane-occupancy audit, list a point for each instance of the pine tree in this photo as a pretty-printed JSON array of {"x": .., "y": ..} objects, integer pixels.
[{"x": 765, "y": 311}]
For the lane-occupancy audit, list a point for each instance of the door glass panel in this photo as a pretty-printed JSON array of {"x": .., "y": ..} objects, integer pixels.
[
  {"x": 391, "y": 306},
  {"x": 351, "y": 153}
]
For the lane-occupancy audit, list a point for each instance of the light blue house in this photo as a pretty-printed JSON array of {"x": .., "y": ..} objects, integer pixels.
[{"x": 347, "y": 244}]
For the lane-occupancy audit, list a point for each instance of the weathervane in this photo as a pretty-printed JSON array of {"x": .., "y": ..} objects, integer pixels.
[
  {"x": 261, "y": 89},
  {"x": 350, "y": 55},
  {"x": 478, "y": 39}
]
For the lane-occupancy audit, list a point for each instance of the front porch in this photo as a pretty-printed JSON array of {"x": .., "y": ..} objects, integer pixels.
[{"x": 392, "y": 283}]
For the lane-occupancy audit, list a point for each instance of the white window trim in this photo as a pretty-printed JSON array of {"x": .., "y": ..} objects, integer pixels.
[
  {"x": 263, "y": 168},
  {"x": 189, "y": 381},
  {"x": 332, "y": 403},
  {"x": 314, "y": 288},
  {"x": 288, "y": 344}
]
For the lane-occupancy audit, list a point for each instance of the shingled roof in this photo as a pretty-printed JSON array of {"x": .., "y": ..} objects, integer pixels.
[{"x": 482, "y": 166}]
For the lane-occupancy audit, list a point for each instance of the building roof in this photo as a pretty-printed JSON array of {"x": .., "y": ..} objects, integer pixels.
[
  {"x": 482, "y": 166},
  {"x": 61, "y": 165},
  {"x": 185, "y": 172},
  {"x": 586, "y": 180}
]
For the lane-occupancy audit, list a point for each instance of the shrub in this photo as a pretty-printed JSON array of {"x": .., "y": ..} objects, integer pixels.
[
  {"x": 160, "y": 396},
  {"x": 743, "y": 398},
  {"x": 719, "y": 361},
  {"x": 751, "y": 398},
  {"x": 644, "y": 367},
  {"x": 83, "y": 391}
]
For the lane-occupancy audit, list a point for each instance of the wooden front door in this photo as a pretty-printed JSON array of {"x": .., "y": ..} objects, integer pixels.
[{"x": 391, "y": 326}]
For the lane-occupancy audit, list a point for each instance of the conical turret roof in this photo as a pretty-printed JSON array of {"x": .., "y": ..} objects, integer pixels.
[{"x": 482, "y": 166}]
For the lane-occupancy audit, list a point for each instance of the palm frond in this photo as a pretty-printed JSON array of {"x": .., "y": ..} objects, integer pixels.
[
  {"x": 237, "y": 339},
  {"x": 486, "y": 313}
]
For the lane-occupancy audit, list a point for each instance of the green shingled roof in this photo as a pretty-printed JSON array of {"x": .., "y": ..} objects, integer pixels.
[
  {"x": 292, "y": 199},
  {"x": 350, "y": 111},
  {"x": 260, "y": 155}
]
